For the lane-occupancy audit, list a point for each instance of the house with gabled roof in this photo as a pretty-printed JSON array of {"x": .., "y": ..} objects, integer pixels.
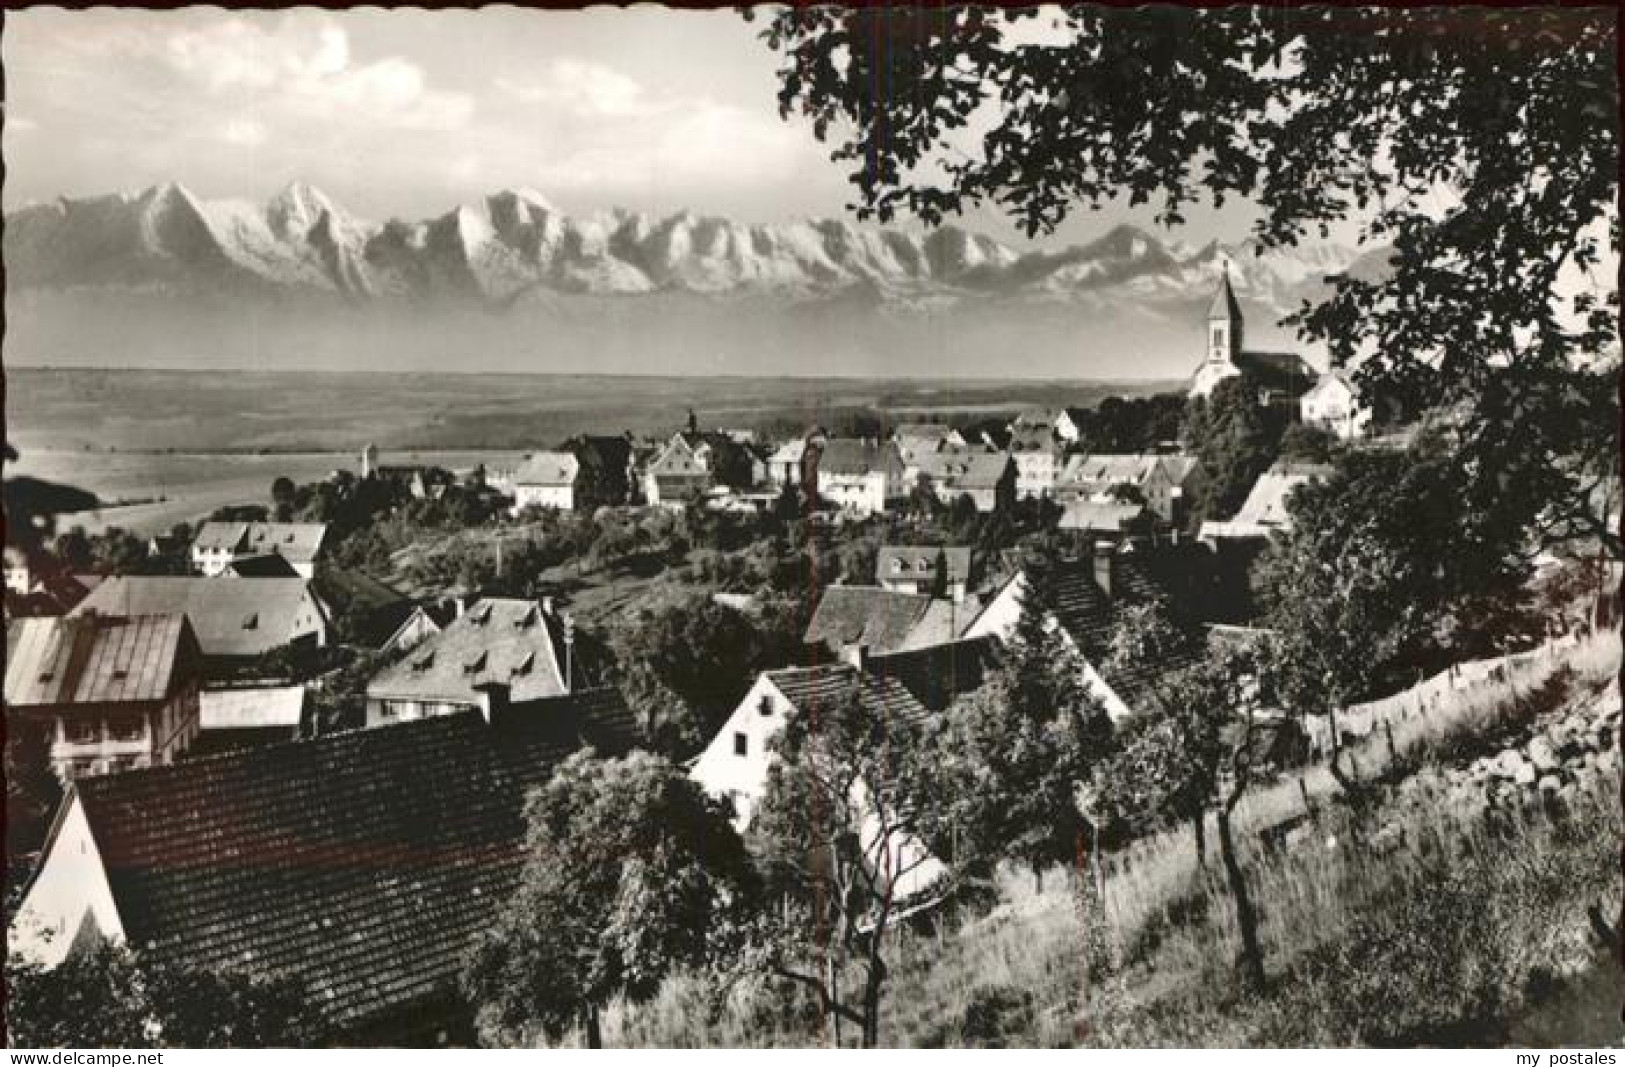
[
  {"x": 107, "y": 692},
  {"x": 676, "y": 475},
  {"x": 360, "y": 864},
  {"x": 1166, "y": 482},
  {"x": 1334, "y": 405},
  {"x": 1036, "y": 451},
  {"x": 524, "y": 647},
  {"x": 921, "y": 568},
  {"x": 986, "y": 476},
  {"x": 1266, "y": 511},
  {"x": 546, "y": 480},
  {"x": 216, "y": 544},
  {"x": 853, "y": 622},
  {"x": 1088, "y": 595},
  {"x": 859, "y": 475},
  {"x": 236, "y": 620}
]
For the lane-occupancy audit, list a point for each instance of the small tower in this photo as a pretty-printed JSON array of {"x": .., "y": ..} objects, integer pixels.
[
  {"x": 1224, "y": 324},
  {"x": 369, "y": 460}
]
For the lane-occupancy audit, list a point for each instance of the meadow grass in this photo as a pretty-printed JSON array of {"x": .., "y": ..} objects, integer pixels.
[{"x": 1443, "y": 935}]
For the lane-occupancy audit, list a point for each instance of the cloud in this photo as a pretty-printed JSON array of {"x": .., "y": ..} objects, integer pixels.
[
  {"x": 305, "y": 67},
  {"x": 585, "y": 89},
  {"x": 248, "y": 133}
]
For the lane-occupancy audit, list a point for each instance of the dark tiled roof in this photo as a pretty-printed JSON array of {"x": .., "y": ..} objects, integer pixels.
[
  {"x": 937, "y": 675},
  {"x": 270, "y": 565},
  {"x": 858, "y": 456},
  {"x": 881, "y": 696},
  {"x": 361, "y": 863},
  {"x": 865, "y": 615},
  {"x": 1089, "y": 617},
  {"x": 97, "y": 660}
]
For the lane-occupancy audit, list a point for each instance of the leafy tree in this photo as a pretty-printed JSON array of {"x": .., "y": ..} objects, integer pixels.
[
  {"x": 632, "y": 872},
  {"x": 1302, "y": 443},
  {"x": 283, "y": 498},
  {"x": 1011, "y": 757},
  {"x": 1392, "y": 557},
  {"x": 104, "y": 996},
  {"x": 1236, "y": 440},
  {"x": 839, "y": 843},
  {"x": 684, "y": 664},
  {"x": 1424, "y": 130}
]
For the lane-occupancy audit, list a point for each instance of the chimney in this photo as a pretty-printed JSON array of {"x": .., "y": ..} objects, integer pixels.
[
  {"x": 1105, "y": 565},
  {"x": 547, "y": 605},
  {"x": 457, "y": 606},
  {"x": 494, "y": 698},
  {"x": 857, "y": 655}
]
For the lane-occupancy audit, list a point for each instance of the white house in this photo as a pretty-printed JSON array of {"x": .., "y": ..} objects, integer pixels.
[
  {"x": 1266, "y": 509},
  {"x": 859, "y": 475},
  {"x": 1334, "y": 405},
  {"x": 735, "y": 764},
  {"x": 218, "y": 544},
  {"x": 547, "y": 480}
]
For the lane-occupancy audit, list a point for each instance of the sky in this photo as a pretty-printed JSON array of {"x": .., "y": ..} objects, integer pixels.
[{"x": 407, "y": 113}]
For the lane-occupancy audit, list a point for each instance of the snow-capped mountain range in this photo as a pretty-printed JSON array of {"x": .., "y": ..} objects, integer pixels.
[{"x": 514, "y": 246}]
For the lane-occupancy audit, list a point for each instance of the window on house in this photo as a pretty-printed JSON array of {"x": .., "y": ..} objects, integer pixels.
[
  {"x": 765, "y": 708},
  {"x": 251, "y": 621},
  {"x": 741, "y": 744},
  {"x": 82, "y": 731}
]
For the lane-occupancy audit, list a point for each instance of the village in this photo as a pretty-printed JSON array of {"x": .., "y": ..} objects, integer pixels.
[{"x": 296, "y": 739}]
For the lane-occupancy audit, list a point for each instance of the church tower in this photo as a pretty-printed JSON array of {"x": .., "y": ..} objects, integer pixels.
[{"x": 1224, "y": 324}]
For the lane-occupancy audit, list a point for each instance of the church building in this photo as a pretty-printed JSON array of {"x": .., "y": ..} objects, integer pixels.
[{"x": 1279, "y": 377}]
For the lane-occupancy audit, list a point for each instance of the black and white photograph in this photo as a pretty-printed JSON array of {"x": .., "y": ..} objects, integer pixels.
[{"x": 813, "y": 527}]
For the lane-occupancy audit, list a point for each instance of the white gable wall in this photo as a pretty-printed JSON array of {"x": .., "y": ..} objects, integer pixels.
[
  {"x": 70, "y": 883},
  {"x": 743, "y": 779}
]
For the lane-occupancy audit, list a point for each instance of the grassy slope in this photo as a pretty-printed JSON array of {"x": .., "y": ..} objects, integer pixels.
[{"x": 1453, "y": 936}]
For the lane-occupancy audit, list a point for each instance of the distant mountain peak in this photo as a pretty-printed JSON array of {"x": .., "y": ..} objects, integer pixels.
[{"x": 514, "y": 243}]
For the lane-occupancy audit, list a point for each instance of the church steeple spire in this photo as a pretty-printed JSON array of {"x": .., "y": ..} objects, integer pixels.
[{"x": 1224, "y": 323}]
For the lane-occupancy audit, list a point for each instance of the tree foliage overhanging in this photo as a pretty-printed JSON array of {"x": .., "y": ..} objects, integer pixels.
[{"x": 1473, "y": 152}]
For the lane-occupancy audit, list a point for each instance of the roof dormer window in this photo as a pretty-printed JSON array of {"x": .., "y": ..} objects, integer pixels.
[
  {"x": 475, "y": 665},
  {"x": 251, "y": 621}
]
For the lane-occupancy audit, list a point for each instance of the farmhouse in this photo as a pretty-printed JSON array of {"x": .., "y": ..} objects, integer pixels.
[
  {"x": 517, "y": 650},
  {"x": 987, "y": 478},
  {"x": 861, "y": 476},
  {"x": 854, "y": 622},
  {"x": 236, "y": 620},
  {"x": 1166, "y": 483},
  {"x": 918, "y": 569},
  {"x": 361, "y": 864},
  {"x": 1334, "y": 405},
  {"x": 547, "y": 480},
  {"x": 217, "y": 544},
  {"x": 1088, "y": 594},
  {"x": 1036, "y": 452},
  {"x": 1265, "y": 511},
  {"x": 676, "y": 475},
  {"x": 109, "y": 693}
]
